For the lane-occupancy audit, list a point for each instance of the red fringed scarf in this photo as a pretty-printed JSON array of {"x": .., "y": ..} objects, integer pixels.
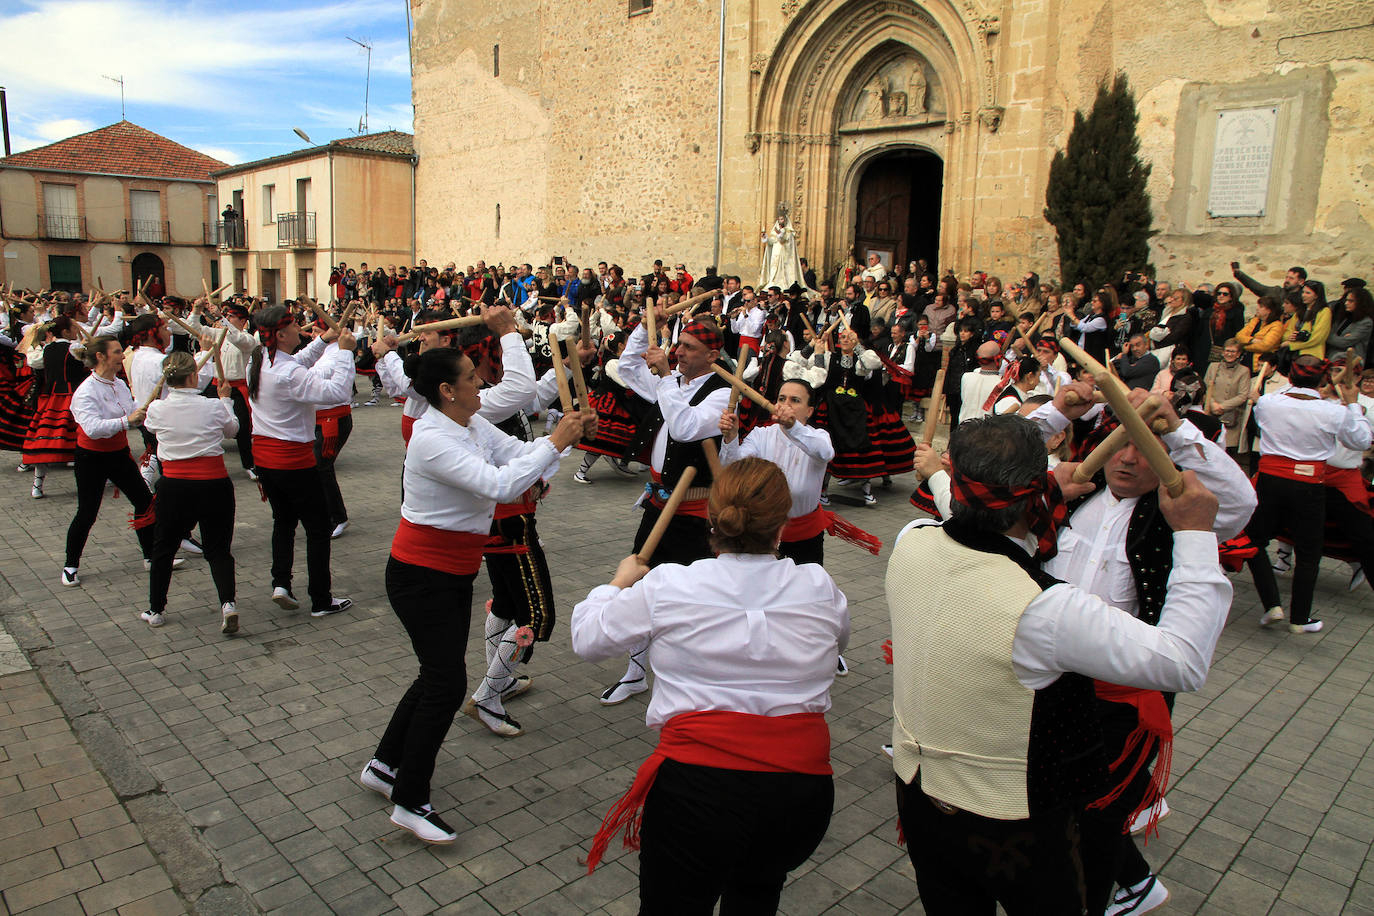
[
  {"x": 1154, "y": 730},
  {"x": 1046, "y": 507}
]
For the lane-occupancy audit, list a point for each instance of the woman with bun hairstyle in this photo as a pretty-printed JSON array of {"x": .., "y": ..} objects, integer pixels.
[
  {"x": 285, "y": 388},
  {"x": 104, "y": 412},
  {"x": 194, "y": 488},
  {"x": 739, "y": 790},
  {"x": 458, "y": 466}
]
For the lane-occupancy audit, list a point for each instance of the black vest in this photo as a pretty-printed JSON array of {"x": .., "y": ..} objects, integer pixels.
[{"x": 678, "y": 456}]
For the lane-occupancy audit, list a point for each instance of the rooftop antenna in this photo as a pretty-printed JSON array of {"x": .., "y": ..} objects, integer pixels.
[
  {"x": 366, "y": 45},
  {"x": 120, "y": 81}
]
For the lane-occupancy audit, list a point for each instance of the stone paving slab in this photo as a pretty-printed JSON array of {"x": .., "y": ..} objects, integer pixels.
[{"x": 253, "y": 744}]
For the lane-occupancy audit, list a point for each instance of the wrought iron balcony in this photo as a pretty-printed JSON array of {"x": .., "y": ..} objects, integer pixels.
[
  {"x": 296, "y": 230},
  {"x": 147, "y": 231},
  {"x": 229, "y": 235},
  {"x": 63, "y": 227}
]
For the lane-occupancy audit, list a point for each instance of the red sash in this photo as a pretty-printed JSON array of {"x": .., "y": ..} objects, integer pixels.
[
  {"x": 1351, "y": 485},
  {"x": 114, "y": 443},
  {"x": 280, "y": 455},
  {"x": 1154, "y": 729},
  {"x": 798, "y": 743},
  {"x": 1289, "y": 469},
  {"x": 205, "y": 467},
  {"x": 805, "y": 527},
  {"x": 697, "y": 508},
  {"x": 328, "y": 422},
  {"x": 242, "y": 386},
  {"x": 526, "y": 505},
  {"x": 751, "y": 342},
  {"x": 407, "y": 428},
  {"x": 456, "y": 552}
]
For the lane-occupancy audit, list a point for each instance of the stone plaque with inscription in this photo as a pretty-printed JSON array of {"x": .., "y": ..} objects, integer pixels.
[{"x": 1241, "y": 161}]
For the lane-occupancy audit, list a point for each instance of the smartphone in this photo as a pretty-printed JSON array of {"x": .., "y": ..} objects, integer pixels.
[{"x": 1235, "y": 265}]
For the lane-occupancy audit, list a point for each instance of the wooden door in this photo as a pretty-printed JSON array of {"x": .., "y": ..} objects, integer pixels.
[{"x": 884, "y": 209}]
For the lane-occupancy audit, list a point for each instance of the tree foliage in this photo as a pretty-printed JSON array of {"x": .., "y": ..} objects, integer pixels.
[{"x": 1096, "y": 198}]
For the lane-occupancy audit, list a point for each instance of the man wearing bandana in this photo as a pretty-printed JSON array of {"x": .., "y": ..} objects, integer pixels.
[{"x": 996, "y": 741}]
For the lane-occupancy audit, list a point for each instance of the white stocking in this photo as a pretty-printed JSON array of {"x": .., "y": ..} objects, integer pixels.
[{"x": 500, "y": 672}]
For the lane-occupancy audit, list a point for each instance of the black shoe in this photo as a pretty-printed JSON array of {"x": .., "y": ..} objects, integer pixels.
[{"x": 335, "y": 606}]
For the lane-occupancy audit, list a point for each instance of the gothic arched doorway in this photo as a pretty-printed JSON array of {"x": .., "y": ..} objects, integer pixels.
[
  {"x": 148, "y": 264},
  {"x": 897, "y": 208}
]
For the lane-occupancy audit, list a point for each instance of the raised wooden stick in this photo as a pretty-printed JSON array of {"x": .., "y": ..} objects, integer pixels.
[
  {"x": 323, "y": 314},
  {"x": 1116, "y": 440},
  {"x": 665, "y": 517},
  {"x": 1026, "y": 336},
  {"x": 687, "y": 303},
  {"x": 744, "y": 389},
  {"x": 200, "y": 364},
  {"x": 1073, "y": 399},
  {"x": 739, "y": 372},
  {"x": 1117, "y": 395},
  {"x": 448, "y": 324},
  {"x": 650, "y": 325},
  {"x": 184, "y": 326},
  {"x": 712, "y": 457},
  {"x": 560, "y": 373},
  {"x": 937, "y": 404},
  {"x": 1348, "y": 370},
  {"x": 579, "y": 380}
]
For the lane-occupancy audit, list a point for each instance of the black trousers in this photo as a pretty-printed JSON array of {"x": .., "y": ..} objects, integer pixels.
[
  {"x": 244, "y": 438},
  {"x": 686, "y": 540},
  {"x": 1298, "y": 508},
  {"x": 297, "y": 497},
  {"x": 435, "y": 608},
  {"x": 338, "y": 512},
  {"x": 811, "y": 550},
  {"x": 521, "y": 588},
  {"x": 966, "y": 864},
  {"x": 1110, "y": 855},
  {"x": 92, "y": 470},
  {"x": 731, "y": 836},
  {"x": 180, "y": 505}
]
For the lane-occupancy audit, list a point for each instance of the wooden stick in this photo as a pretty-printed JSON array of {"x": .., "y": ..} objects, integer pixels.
[
  {"x": 560, "y": 373},
  {"x": 323, "y": 315},
  {"x": 200, "y": 364},
  {"x": 937, "y": 403},
  {"x": 220, "y": 291},
  {"x": 1025, "y": 335},
  {"x": 748, "y": 392},
  {"x": 650, "y": 325},
  {"x": 205, "y": 286},
  {"x": 665, "y": 517},
  {"x": 586, "y": 322},
  {"x": 1116, "y": 440},
  {"x": 448, "y": 324},
  {"x": 688, "y": 303},
  {"x": 1118, "y": 396},
  {"x": 184, "y": 326},
  {"x": 739, "y": 372},
  {"x": 712, "y": 457},
  {"x": 1348, "y": 370},
  {"x": 1073, "y": 399},
  {"x": 578, "y": 378}
]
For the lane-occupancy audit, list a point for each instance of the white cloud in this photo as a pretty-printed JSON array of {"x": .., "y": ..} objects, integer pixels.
[
  {"x": 62, "y": 128},
  {"x": 223, "y": 154}
]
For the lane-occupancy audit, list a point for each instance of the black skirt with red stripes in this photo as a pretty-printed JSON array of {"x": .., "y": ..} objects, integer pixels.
[
  {"x": 887, "y": 431},
  {"x": 615, "y": 427},
  {"x": 16, "y": 381},
  {"x": 51, "y": 438}
]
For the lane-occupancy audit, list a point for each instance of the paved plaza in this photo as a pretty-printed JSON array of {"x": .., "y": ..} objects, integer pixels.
[{"x": 162, "y": 771}]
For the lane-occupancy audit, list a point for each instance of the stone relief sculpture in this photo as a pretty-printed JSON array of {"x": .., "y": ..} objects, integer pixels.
[
  {"x": 916, "y": 88},
  {"x": 902, "y": 88},
  {"x": 876, "y": 104}
]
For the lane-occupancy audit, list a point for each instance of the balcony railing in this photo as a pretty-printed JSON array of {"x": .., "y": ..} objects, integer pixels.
[
  {"x": 146, "y": 231},
  {"x": 64, "y": 227},
  {"x": 296, "y": 230},
  {"x": 231, "y": 235}
]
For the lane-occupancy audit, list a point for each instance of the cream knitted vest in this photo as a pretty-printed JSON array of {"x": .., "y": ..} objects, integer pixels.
[{"x": 959, "y": 714}]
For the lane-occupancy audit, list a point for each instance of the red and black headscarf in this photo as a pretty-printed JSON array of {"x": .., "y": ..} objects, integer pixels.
[
  {"x": 1045, "y": 505},
  {"x": 706, "y": 332},
  {"x": 1308, "y": 372}
]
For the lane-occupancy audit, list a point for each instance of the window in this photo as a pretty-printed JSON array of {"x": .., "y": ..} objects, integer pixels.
[
  {"x": 145, "y": 217},
  {"x": 59, "y": 212},
  {"x": 240, "y": 280},
  {"x": 304, "y": 286},
  {"x": 640, "y": 6},
  {"x": 64, "y": 272},
  {"x": 269, "y": 211}
]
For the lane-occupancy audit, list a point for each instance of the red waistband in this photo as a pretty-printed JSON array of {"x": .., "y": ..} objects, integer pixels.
[
  {"x": 205, "y": 467},
  {"x": 456, "y": 552},
  {"x": 798, "y": 743},
  {"x": 333, "y": 413},
  {"x": 1289, "y": 469},
  {"x": 112, "y": 444},
  {"x": 407, "y": 428},
  {"x": 1350, "y": 484},
  {"x": 697, "y": 508},
  {"x": 280, "y": 455},
  {"x": 526, "y": 505},
  {"x": 805, "y": 527},
  {"x": 242, "y": 385}
]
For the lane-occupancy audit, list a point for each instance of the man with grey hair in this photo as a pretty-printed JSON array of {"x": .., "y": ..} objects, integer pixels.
[{"x": 996, "y": 745}]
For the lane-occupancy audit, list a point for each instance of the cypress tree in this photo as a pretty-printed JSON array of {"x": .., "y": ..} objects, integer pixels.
[{"x": 1096, "y": 198}]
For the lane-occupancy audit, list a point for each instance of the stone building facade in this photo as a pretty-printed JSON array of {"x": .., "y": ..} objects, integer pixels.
[{"x": 629, "y": 131}]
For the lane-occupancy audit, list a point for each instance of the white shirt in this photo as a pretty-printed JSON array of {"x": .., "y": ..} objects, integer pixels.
[
  {"x": 291, "y": 388},
  {"x": 236, "y": 351},
  {"x": 455, "y": 475},
  {"x": 190, "y": 425},
  {"x": 749, "y": 323},
  {"x": 682, "y": 421},
  {"x": 1066, "y": 628},
  {"x": 975, "y": 387},
  {"x": 1308, "y": 429},
  {"x": 101, "y": 407},
  {"x": 1349, "y": 457},
  {"x": 801, "y": 451},
  {"x": 739, "y": 632},
  {"x": 499, "y": 401},
  {"x": 145, "y": 370}
]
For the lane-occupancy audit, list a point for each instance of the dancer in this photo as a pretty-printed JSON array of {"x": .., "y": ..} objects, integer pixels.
[
  {"x": 690, "y": 401},
  {"x": 619, "y": 412},
  {"x": 194, "y": 488},
  {"x": 104, "y": 412},
  {"x": 333, "y": 426},
  {"x": 739, "y": 790},
  {"x": 457, "y": 468},
  {"x": 52, "y": 435},
  {"x": 234, "y": 355},
  {"x": 285, "y": 390},
  {"x": 851, "y": 389}
]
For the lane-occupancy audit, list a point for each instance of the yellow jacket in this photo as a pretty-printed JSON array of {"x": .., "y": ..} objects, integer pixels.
[
  {"x": 1256, "y": 339},
  {"x": 1318, "y": 330}
]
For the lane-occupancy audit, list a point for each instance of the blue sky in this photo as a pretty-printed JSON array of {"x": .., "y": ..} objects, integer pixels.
[{"x": 228, "y": 79}]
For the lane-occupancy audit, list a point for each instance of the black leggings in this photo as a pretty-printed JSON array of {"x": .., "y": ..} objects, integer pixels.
[
  {"x": 1110, "y": 855},
  {"x": 244, "y": 437},
  {"x": 298, "y": 497},
  {"x": 732, "y": 836},
  {"x": 809, "y": 550},
  {"x": 92, "y": 470},
  {"x": 1299, "y": 508},
  {"x": 180, "y": 505},
  {"x": 435, "y": 608},
  {"x": 521, "y": 589},
  {"x": 338, "y": 512}
]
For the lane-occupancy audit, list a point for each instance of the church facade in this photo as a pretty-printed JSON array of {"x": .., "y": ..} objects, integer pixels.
[{"x": 629, "y": 130}]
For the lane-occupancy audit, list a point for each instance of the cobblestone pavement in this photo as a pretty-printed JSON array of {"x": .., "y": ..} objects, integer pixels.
[{"x": 234, "y": 760}]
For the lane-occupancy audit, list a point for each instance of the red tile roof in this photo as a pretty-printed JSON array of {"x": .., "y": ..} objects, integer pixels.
[{"x": 120, "y": 149}]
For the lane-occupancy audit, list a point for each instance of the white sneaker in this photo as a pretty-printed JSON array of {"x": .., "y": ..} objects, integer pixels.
[
  {"x": 499, "y": 723},
  {"x": 1312, "y": 626},
  {"x": 579, "y": 477},
  {"x": 177, "y": 563},
  {"x": 229, "y": 618},
  {"x": 1271, "y": 616},
  {"x": 189, "y": 545},
  {"x": 69, "y": 577},
  {"x": 841, "y": 669},
  {"x": 283, "y": 598},
  {"x": 37, "y": 491},
  {"x": 887, "y": 749},
  {"x": 252, "y": 474},
  {"x": 371, "y": 402},
  {"x": 335, "y": 606},
  {"x": 424, "y": 823},
  {"x": 339, "y": 529},
  {"x": 621, "y": 691},
  {"x": 870, "y": 499},
  {"x": 1139, "y": 822},
  {"x": 1357, "y": 577},
  {"x": 518, "y": 686},
  {"x": 1148, "y": 895},
  {"x": 377, "y": 779},
  {"x": 151, "y": 618}
]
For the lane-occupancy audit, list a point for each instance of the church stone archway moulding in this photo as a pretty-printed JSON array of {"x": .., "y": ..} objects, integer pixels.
[{"x": 849, "y": 79}]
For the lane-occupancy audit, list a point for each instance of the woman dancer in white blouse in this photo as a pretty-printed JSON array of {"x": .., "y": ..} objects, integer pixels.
[
  {"x": 739, "y": 790},
  {"x": 457, "y": 468}
]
